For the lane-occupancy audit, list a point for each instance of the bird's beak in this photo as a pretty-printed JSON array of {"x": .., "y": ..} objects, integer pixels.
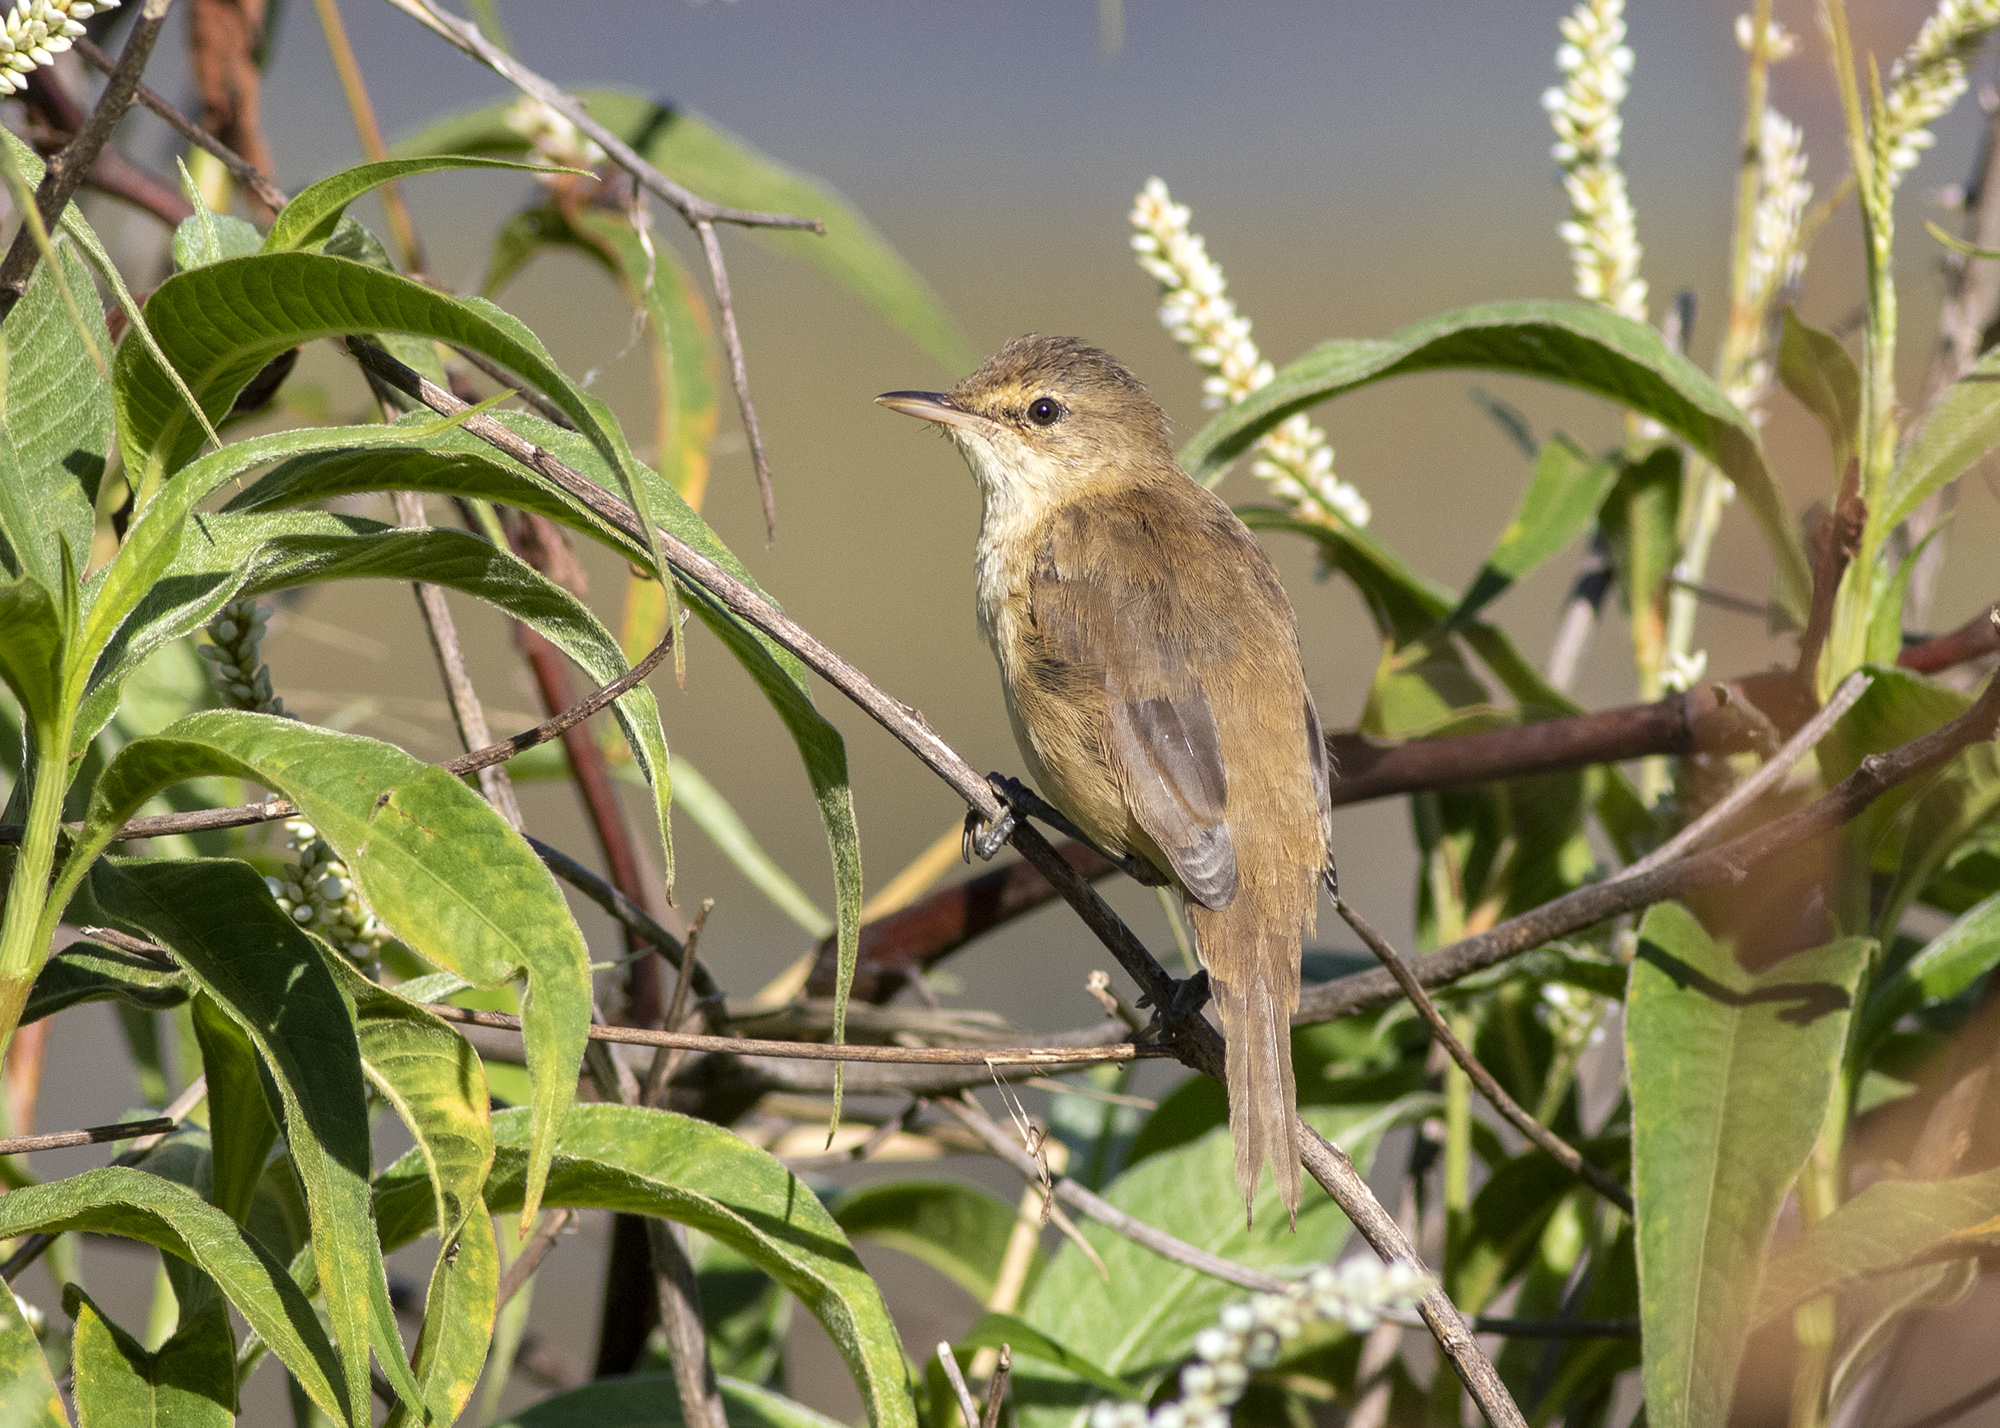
[{"x": 931, "y": 406}]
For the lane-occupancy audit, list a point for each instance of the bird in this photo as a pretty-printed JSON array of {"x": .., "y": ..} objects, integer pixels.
[{"x": 1150, "y": 662}]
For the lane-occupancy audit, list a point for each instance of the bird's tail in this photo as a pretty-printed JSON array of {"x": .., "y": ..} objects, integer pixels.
[{"x": 1263, "y": 1099}]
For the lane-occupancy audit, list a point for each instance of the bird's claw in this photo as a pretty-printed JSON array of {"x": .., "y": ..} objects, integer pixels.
[
  {"x": 1190, "y": 996},
  {"x": 983, "y": 836}
]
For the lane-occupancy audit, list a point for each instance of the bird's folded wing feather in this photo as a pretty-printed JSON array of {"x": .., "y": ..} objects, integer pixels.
[{"x": 1103, "y": 584}]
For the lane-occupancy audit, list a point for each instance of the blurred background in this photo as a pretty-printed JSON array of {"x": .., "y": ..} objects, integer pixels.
[{"x": 1354, "y": 167}]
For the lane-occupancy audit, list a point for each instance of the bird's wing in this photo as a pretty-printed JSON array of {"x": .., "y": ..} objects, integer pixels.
[{"x": 1104, "y": 586}]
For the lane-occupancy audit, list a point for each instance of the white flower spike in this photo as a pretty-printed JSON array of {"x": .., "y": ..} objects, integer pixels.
[
  {"x": 36, "y": 31},
  {"x": 1602, "y": 232},
  {"x": 1293, "y": 457}
]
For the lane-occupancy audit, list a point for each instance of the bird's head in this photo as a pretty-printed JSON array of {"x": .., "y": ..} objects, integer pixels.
[{"x": 1048, "y": 419}]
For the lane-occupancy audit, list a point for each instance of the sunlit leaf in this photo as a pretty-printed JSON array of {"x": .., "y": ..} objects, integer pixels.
[
  {"x": 189, "y": 1382},
  {"x": 253, "y": 961},
  {"x": 314, "y": 212},
  {"x": 960, "y": 1232},
  {"x": 656, "y": 1163},
  {"x": 1574, "y": 344},
  {"x": 131, "y": 1204},
  {"x": 430, "y": 857}
]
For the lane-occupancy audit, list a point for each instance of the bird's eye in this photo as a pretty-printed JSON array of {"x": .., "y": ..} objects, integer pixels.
[{"x": 1045, "y": 411}]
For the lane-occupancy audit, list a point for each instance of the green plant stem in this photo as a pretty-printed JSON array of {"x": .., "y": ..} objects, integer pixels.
[
  {"x": 23, "y": 942},
  {"x": 1813, "y": 1322},
  {"x": 1708, "y": 490},
  {"x": 1847, "y": 642}
]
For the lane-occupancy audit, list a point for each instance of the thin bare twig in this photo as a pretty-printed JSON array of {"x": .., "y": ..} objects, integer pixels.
[
  {"x": 996, "y": 1388},
  {"x": 666, "y": 1059},
  {"x": 175, "y": 1111},
  {"x": 91, "y": 1135},
  {"x": 1761, "y": 782},
  {"x": 240, "y": 168},
  {"x": 466, "y": 711},
  {"x": 1559, "y": 1150},
  {"x": 899, "y": 719},
  {"x": 700, "y": 214},
  {"x": 739, "y": 375},
  {"x": 531, "y": 1256},
  {"x": 968, "y": 1411},
  {"x": 69, "y": 168},
  {"x": 1104, "y": 1212},
  {"x": 1977, "y": 637},
  {"x": 821, "y": 1050},
  {"x": 598, "y": 699}
]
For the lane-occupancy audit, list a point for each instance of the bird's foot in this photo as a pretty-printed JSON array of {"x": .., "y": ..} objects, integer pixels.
[
  {"x": 1190, "y": 996},
  {"x": 984, "y": 836}
]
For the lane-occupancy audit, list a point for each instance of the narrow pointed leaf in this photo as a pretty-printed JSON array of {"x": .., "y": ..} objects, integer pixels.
[
  {"x": 431, "y": 858},
  {"x": 1573, "y": 344},
  {"x": 314, "y": 212},
  {"x": 28, "y": 1394},
  {"x": 242, "y": 1127},
  {"x": 1731, "y": 1076},
  {"x": 32, "y": 649},
  {"x": 57, "y": 426},
  {"x": 190, "y": 1382},
  {"x": 1816, "y": 369},
  {"x": 87, "y": 971},
  {"x": 218, "y": 919},
  {"x": 1960, "y": 429},
  {"x": 217, "y": 327},
  {"x": 1562, "y": 498},
  {"x": 1948, "y": 964},
  {"x": 133, "y": 1205},
  {"x": 656, "y": 1163},
  {"x": 459, "y": 1309}
]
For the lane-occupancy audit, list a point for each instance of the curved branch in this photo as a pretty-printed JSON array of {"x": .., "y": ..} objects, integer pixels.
[{"x": 1632, "y": 890}]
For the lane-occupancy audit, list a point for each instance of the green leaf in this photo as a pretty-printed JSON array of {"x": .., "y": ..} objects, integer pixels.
[
  {"x": 218, "y": 919},
  {"x": 210, "y": 237},
  {"x": 1139, "y": 1323},
  {"x": 33, "y": 646},
  {"x": 28, "y": 1394},
  {"x": 436, "y": 1084},
  {"x": 260, "y": 553},
  {"x": 1948, "y": 964},
  {"x": 1731, "y": 1076},
  {"x": 57, "y": 422},
  {"x": 995, "y": 1329},
  {"x": 1640, "y": 516},
  {"x": 141, "y": 573},
  {"x": 657, "y": 1163},
  {"x": 1562, "y": 497},
  {"x": 1574, "y": 344},
  {"x": 86, "y": 971},
  {"x": 957, "y": 1230},
  {"x": 241, "y": 1125},
  {"x": 431, "y": 858},
  {"x": 474, "y": 469},
  {"x": 134, "y": 1205},
  {"x": 1959, "y": 429},
  {"x": 459, "y": 1312},
  {"x": 314, "y": 212},
  {"x": 1885, "y": 620},
  {"x": 189, "y": 1383},
  {"x": 1883, "y": 1228},
  {"x": 650, "y": 1400},
  {"x": 220, "y": 324},
  {"x": 686, "y": 372},
  {"x": 1816, "y": 369},
  {"x": 725, "y": 169}
]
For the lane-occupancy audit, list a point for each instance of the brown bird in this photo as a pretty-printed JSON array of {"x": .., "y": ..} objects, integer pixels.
[{"x": 1151, "y": 666}]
